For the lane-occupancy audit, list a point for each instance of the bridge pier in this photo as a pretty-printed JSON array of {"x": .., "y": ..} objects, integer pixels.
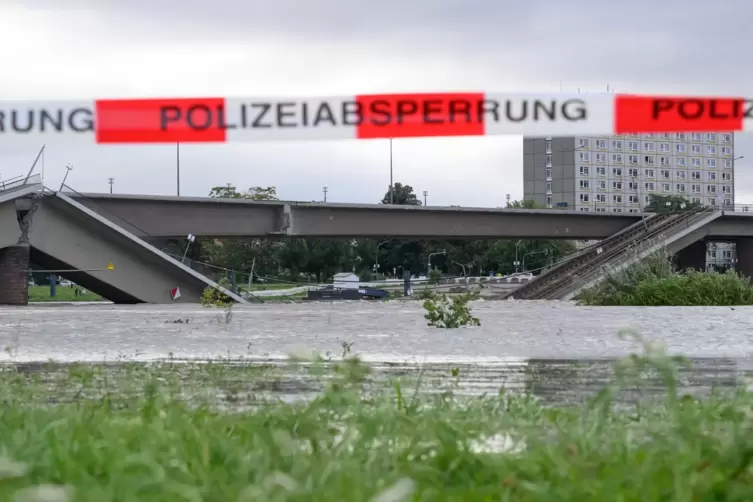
[
  {"x": 692, "y": 257},
  {"x": 14, "y": 275},
  {"x": 744, "y": 249}
]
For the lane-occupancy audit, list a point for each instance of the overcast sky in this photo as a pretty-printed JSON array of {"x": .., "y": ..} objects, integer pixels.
[{"x": 245, "y": 48}]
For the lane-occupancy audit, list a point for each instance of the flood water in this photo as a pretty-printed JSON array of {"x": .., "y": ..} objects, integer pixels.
[{"x": 553, "y": 349}]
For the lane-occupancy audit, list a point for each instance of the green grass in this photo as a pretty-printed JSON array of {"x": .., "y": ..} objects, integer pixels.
[
  {"x": 159, "y": 433},
  {"x": 62, "y": 294}
]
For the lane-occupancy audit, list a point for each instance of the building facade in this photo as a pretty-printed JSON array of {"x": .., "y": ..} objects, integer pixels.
[{"x": 621, "y": 173}]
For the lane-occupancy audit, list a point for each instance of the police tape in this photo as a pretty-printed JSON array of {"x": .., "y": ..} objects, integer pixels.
[{"x": 221, "y": 120}]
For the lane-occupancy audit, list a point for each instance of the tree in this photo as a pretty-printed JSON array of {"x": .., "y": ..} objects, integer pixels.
[
  {"x": 253, "y": 193},
  {"x": 402, "y": 195},
  {"x": 669, "y": 203}
]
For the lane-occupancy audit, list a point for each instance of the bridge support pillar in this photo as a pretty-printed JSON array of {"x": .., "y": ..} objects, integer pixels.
[
  {"x": 14, "y": 275},
  {"x": 744, "y": 249},
  {"x": 692, "y": 257}
]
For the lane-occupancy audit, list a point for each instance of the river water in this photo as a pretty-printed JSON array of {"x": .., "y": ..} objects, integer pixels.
[{"x": 554, "y": 349}]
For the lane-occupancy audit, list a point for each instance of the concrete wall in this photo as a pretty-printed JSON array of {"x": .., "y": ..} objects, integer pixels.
[
  {"x": 745, "y": 256},
  {"x": 10, "y": 232},
  {"x": 692, "y": 257},
  {"x": 535, "y": 184}
]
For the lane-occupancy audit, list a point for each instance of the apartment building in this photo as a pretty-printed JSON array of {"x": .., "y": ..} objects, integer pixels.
[{"x": 620, "y": 173}]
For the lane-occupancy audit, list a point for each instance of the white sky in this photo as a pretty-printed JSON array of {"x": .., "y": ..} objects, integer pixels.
[{"x": 118, "y": 48}]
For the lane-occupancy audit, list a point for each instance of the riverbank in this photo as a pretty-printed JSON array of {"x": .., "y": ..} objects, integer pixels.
[
  {"x": 159, "y": 433},
  {"x": 62, "y": 294}
]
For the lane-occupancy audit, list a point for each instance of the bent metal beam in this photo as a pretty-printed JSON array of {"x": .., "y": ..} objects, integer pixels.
[{"x": 169, "y": 216}]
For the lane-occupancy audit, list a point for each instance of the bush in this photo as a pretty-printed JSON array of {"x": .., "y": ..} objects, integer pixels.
[
  {"x": 654, "y": 282},
  {"x": 434, "y": 276},
  {"x": 213, "y": 297},
  {"x": 445, "y": 313}
]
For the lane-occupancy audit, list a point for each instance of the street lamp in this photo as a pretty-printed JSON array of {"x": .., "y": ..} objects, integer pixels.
[
  {"x": 376, "y": 258},
  {"x": 428, "y": 263},
  {"x": 190, "y": 239},
  {"x": 111, "y": 181},
  {"x": 324, "y": 191},
  {"x": 68, "y": 168},
  {"x": 425, "y": 194},
  {"x": 516, "y": 264}
]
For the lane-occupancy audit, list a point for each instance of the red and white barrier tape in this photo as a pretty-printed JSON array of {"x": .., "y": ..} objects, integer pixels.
[{"x": 221, "y": 120}]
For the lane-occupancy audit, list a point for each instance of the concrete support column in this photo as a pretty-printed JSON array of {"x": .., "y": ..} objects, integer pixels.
[
  {"x": 692, "y": 257},
  {"x": 14, "y": 275},
  {"x": 744, "y": 248}
]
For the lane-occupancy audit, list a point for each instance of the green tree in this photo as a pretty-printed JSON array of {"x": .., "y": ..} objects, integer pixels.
[
  {"x": 253, "y": 193},
  {"x": 402, "y": 195},
  {"x": 669, "y": 203}
]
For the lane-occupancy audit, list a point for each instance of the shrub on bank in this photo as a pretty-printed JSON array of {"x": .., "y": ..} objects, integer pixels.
[{"x": 654, "y": 282}]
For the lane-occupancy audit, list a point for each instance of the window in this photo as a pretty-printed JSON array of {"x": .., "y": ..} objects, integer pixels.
[
  {"x": 665, "y": 161},
  {"x": 601, "y": 157},
  {"x": 601, "y": 185},
  {"x": 601, "y": 198},
  {"x": 617, "y": 199},
  {"x": 617, "y": 158},
  {"x": 681, "y": 187},
  {"x": 617, "y": 210},
  {"x": 695, "y": 162},
  {"x": 726, "y": 176},
  {"x": 665, "y": 135},
  {"x": 601, "y": 210},
  {"x": 727, "y": 202},
  {"x": 680, "y": 175},
  {"x": 633, "y": 173},
  {"x": 711, "y": 149},
  {"x": 650, "y": 135},
  {"x": 601, "y": 143},
  {"x": 666, "y": 187},
  {"x": 585, "y": 209},
  {"x": 583, "y": 143},
  {"x": 695, "y": 149},
  {"x": 548, "y": 173},
  {"x": 548, "y": 187},
  {"x": 548, "y": 147},
  {"x": 549, "y": 201},
  {"x": 711, "y": 176},
  {"x": 696, "y": 136},
  {"x": 680, "y": 148},
  {"x": 712, "y": 201},
  {"x": 711, "y": 163},
  {"x": 650, "y": 160},
  {"x": 584, "y": 184},
  {"x": 633, "y": 185},
  {"x": 633, "y": 145},
  {"x": 711, "y": 188},
  {"x": 617, "y": 171},
  {"x": 696, "y": 188},
  {"x": 649, "y": 186},
  {"x": 584, "y": 156},
  {"x": 649, "y": 173},
  {"x": 726, "y": 189},
  {"x": 680, "y": 161},
  {"x": 617, "y": 144},
  {"x": 633, "y": 199},
  {"x": 584, "y": 170},
  {"x": 601, "y": 171},
  {"x": 549, "y": 161},
  {"x": 631, "y": 210},
  {"x": 617, "y": 185},
  {"x": 727, "y": 138},
  {"x": 696, "y": 200},
  {"x": 695, "y": 175},
  {"x": 681, "y": 136},
  {"x": 665, "y": 147},
  {"x": 633, "y": 159},
  {"x": 726, "y": 150},
  {"x": 584, "y": 197},
  {"x": 728, "y": 163},
  {"x": 665, "y": 174},
  {"x": 648, "y": 146},
  {"x": 711, "y": 136},
  {"x": 726, "y": 253}
]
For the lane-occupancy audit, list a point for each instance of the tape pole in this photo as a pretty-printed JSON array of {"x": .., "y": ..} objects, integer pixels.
[{"x": 223, "y": 120}]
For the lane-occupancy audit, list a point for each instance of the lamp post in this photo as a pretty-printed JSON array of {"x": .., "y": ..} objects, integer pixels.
[
  {"x": 425, "y": 195},
  {"x": 111, "y": 181},
  {"x": 190, "y": 239},
  {"x": 376, "y": 257},
  {"x": 324, "y": 191},
  {"x": 516, "y": 264},
  {"x": 428, "y": 262},
  {"x": 392, "y": 196}
]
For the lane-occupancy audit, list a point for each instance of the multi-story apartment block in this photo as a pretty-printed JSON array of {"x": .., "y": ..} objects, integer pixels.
[{"x": 621, "y": 173}]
